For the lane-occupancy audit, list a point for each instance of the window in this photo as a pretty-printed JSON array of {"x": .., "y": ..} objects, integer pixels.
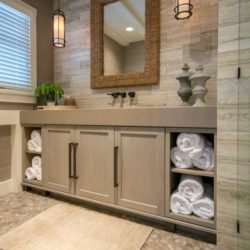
[{"x": 17, "y": 51}]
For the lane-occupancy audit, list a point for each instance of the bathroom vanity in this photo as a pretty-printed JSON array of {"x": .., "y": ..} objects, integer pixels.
[{"x": 118, "y": 158}]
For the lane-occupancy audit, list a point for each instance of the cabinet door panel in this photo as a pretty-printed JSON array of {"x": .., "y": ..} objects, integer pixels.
[
  {"x": 95, "y": 163},
  {"x": 141, "y": 169},
  {"x": 56, "y": 154}
]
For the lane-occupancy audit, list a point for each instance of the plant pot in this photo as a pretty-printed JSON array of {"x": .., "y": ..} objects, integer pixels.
[
  {"x": 46, "y": 100},
  {"x": 41, "y": 100},
  {"x": 51, "y": 103}
]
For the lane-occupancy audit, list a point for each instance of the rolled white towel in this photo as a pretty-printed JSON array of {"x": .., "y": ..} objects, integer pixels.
[
  {"x": 192, "y": 144},
  {"x": 39, "y": 176},
  {"x": 38, "y": 170},
  {"x": 179, "y": 204},
  {"x": 36, "y": 137},
  {"x": 36, "y": 161},
  {"x": 180, "y": 159},
  {"x": 204, "y": 207},
  {"x": 33, "y": 147},
  {"x": 191, "y": 187},
  {"x": 30, "y": 173},
  {"x": 206, "y": 160}
]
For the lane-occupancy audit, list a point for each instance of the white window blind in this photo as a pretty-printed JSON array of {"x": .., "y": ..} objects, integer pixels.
[{"x": 15, "y": 49}]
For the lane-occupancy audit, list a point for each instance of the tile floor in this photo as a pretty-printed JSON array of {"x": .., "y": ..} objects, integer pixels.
[{"x": 16, "y": 208}]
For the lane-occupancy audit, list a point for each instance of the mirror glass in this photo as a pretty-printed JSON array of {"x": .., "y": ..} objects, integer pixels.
[{"x": 124, "y": 37}]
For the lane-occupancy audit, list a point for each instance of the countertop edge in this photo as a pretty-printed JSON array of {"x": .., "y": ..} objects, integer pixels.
[{"x": 191, "y": 117}]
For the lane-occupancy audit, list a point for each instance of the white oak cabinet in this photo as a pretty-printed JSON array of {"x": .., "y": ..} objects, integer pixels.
[
  {"x": 95, "y": 163},
  {"x": 99, "y": 162},
  {"x": 140, "y": 164},
  {"x": 57, "y": 168},
  {"x": 79, "y": 160}
]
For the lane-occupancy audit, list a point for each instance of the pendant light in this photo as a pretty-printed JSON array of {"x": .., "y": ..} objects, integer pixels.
[
  {"x": 183, "y": 9},
  {"x": 58, "y": 27}
]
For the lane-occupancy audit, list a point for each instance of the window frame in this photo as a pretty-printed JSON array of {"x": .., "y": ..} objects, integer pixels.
[{"x": 16, "y": 95}]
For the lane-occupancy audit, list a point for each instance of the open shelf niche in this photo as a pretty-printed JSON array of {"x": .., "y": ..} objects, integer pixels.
[
  {"x": 174, "y": 174},
  {"x": 27, "y": 154}
]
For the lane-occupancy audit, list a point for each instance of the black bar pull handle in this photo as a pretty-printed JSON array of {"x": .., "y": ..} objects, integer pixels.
[
  {"x": 74, "y": 160},
  {"x": 116, "y": 184},
  {"x": 70, "y": 160}
]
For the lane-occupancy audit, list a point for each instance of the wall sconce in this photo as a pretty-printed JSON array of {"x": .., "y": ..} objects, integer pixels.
[
  {"x": 59, "y": 27},
  {"x": 183, "y": 9}
]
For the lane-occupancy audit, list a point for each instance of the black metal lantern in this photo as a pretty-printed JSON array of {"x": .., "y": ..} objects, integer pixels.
[
  {"x": 183, "y": 9},
  {"x": 59, "y": 27}
]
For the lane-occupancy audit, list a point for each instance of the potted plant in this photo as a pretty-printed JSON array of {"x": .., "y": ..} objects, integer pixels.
[{"x": 48, "y": 93}]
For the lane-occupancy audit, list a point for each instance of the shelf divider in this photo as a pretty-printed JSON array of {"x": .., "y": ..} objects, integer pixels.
[
  {"x": 33, "y": 152},
  {"x": 192, "y": 171},
  {"x": 193, "y": 219}
]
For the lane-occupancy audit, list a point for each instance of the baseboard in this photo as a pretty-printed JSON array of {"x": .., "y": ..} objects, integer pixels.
[{"x": 6, "y": 187}]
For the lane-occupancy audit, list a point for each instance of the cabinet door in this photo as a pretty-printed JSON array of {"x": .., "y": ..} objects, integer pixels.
[
  {"x": 95, "y": 163},
  {"x": 141, "y": 169},
  {"x": 57, "y": 158}
]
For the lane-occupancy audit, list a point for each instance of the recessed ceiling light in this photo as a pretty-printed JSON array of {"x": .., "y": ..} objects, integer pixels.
[{"x": 129, "y": 29}]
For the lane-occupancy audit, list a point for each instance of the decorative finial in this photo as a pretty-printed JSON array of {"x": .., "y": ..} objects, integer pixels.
[
  {"x": 185, "y": 89},
  {"x": 199, "y": 91}
]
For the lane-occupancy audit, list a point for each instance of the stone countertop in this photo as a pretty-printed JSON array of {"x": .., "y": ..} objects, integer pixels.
[{"x": 176, "y": 117}]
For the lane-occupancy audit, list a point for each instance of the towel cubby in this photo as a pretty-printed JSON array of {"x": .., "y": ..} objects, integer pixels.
[
  {"x": 173, "y": 174},
  {"x": 28, "y": 155},
  {"x": 210, "y": 136}
]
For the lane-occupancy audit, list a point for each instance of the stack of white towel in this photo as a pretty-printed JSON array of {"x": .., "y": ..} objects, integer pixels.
[
  {"x": 35, "y": 143},
  {"x": 192, "y": 196},
  {"x": 193, "y": 150},
  {"x": 35, "y": 171}
]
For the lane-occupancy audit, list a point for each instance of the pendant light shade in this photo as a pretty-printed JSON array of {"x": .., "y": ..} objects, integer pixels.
[
  {"x": 183, "y": 9},
  {"x": 59, "y": 28}
]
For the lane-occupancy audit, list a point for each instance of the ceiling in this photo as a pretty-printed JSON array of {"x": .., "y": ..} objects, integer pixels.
[{"x": 122, "y": 14}]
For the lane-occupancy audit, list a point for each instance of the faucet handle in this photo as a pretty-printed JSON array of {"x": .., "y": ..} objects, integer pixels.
[
  {"x": 123, "y": 94},
  {"x": 132, "y": 94},
  {"x": 114, "y": 95}
]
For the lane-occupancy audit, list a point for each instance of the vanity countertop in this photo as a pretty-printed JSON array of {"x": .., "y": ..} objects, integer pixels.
[{"x": 189, "y": 117}]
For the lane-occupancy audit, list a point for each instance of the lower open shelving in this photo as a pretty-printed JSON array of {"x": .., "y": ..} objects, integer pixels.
[
  {"x": 33, "y": 182},
  {"x": 193, "y": 219},
  {"x": 174, "y": 176},
  {"x": 28, "y": 155},
  {"x": 192, "y": 171}
]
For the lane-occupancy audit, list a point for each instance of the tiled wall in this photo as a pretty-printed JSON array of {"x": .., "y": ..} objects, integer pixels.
[
  {"x": 244, "y": 127},
  {"x": 193, "y": 41},
  {"x": 233, "y": 124}
]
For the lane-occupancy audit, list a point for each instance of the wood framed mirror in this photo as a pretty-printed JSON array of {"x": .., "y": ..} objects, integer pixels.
[{"x": 125, "y": 43}]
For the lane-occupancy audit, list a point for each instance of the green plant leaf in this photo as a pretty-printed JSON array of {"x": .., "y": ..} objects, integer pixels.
[{"x": 51, "y": 90}]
